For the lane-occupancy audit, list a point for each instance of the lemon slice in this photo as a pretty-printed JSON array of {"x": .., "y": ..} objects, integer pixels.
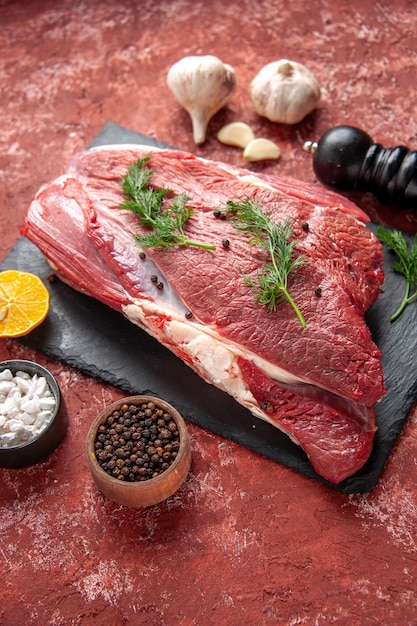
[{"x": 24, "y": 303}]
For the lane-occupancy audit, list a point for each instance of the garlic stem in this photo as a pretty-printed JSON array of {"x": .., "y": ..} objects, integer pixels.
[
  {"x": 199, "y": 123},
  {"x": 285, "y": 68}
]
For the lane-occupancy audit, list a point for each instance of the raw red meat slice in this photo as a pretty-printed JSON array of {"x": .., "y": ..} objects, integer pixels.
[{"x": 318, "y": 384}]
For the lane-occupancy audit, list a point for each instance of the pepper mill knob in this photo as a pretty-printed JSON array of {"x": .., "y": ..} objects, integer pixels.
[{"x": 346, "y": 159}]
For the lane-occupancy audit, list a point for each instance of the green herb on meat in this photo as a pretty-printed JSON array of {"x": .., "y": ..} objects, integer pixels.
[
  {"x": 271, "y": 286},
  {"x": 166, "y": 223},
  {"x": 406, "y": 264}
]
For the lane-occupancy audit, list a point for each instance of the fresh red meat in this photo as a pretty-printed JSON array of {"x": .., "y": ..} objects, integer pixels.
[{"x": 317, "y": 384}]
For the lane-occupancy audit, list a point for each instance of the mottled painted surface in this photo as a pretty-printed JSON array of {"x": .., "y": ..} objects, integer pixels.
[{"x": 245, "y": 541}]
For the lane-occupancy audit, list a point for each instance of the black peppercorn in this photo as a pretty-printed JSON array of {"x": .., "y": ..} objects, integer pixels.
[
  {"x": 137, "y": 443},
  {"x": 267, "y": 406}
]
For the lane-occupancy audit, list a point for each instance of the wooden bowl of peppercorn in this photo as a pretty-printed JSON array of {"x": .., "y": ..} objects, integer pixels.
[{"x": 138, "y": 451}]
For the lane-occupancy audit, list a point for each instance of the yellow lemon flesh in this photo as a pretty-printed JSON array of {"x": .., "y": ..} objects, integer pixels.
[{"x": 24, "y": 303}]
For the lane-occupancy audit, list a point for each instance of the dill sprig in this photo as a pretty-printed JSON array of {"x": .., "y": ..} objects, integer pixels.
[
  {"x": 146, "y": 202},
  {"x": 271, "y": 286},
  {"x": 406, "y": 264}
]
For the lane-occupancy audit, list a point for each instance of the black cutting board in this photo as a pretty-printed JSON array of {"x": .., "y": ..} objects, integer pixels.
[{"x": 87, "y": 335}]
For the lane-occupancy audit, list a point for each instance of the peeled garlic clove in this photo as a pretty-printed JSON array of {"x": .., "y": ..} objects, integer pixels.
[
  {"x": 236, "y": 134},
  {"x": 202, "y": 85},
  {"x": 261, "y": 150},
  {"x": 284, "y": 91}
]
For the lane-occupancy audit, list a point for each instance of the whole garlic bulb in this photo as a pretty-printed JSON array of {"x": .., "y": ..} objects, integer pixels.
[
  {"x": 284, "y": 91},
  {"x": 202, "y": 85}
]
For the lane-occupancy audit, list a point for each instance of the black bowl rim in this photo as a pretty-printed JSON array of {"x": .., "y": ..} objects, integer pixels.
[{"x": 19, "y": 365}]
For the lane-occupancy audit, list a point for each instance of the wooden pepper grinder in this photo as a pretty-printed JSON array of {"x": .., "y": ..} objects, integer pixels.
[{"x": 346, "y": 159}]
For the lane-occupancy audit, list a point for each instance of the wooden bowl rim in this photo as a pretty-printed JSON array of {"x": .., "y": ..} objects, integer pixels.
[{"x": 142, "y": 485}]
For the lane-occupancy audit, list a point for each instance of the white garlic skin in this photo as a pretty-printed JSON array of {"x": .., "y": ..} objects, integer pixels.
[
  {"x": 284, "y": 91},
  {"x": 202, "y": 85}
]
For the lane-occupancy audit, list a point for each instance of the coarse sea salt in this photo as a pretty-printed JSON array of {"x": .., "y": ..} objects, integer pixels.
[{"x": 26, "y": 407}]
